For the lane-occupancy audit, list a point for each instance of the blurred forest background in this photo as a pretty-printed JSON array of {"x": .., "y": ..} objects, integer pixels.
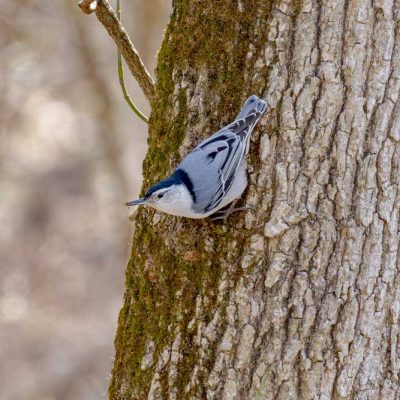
[{"x": 70, "y": 156}]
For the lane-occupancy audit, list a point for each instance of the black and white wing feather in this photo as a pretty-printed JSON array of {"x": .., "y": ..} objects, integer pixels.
[{"x": 212, "y": 165}]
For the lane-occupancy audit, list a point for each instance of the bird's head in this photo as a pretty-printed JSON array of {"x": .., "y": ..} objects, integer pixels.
[{"x": 168, "y": 195}]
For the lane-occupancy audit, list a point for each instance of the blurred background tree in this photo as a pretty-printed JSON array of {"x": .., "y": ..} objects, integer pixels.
[{"x": 71, "y": 154}]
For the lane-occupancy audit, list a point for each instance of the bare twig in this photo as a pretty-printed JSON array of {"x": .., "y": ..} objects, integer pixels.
[
  {"x": 121, "y": 77},
  {"x": 108, "y": 18},
  {"x": 88, "y": 6}
]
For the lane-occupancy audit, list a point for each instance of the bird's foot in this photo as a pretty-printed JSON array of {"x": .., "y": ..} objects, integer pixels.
[{"x": 225, "y": 213}]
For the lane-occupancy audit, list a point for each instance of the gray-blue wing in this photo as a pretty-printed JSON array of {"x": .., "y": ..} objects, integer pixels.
[{"x": 211, "y": 166}]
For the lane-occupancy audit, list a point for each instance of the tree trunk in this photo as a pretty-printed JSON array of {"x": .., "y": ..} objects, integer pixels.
[{"x": 299, "y": 299}]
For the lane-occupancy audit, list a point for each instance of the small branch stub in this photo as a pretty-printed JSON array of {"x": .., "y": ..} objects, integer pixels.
[
  {"x": 109, "y": 19},
  {"x": 88, "y": 6}
]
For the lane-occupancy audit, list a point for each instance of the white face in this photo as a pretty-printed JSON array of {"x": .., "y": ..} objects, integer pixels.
[
  {"x": 175, "y": 200},
  {"x": 161, "y": 198}
]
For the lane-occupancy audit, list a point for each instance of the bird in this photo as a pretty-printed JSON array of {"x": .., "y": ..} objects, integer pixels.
[{"x": 213, "y": 175}]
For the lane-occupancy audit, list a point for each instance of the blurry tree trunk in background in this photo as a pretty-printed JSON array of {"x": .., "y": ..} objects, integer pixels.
[{"x": 299, "y": 299}]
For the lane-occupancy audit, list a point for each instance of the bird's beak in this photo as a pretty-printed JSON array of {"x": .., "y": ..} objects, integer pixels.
[{"x": 137, "y": 202}]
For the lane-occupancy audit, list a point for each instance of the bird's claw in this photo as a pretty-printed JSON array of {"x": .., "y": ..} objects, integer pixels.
[{"x": 231, "y": 210}]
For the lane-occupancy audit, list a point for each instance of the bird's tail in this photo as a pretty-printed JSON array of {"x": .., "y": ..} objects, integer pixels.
[{"x": 253, "y": 104}]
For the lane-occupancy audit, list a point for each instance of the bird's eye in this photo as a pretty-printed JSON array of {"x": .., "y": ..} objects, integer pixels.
[{"x": 160, "y": 195}]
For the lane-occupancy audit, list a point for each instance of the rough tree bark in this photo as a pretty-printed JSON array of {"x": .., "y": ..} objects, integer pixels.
[{"x": 299, "y": 299}]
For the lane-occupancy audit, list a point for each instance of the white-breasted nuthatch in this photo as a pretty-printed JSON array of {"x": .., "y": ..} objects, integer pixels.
[{"x": 213, "y": 174}]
